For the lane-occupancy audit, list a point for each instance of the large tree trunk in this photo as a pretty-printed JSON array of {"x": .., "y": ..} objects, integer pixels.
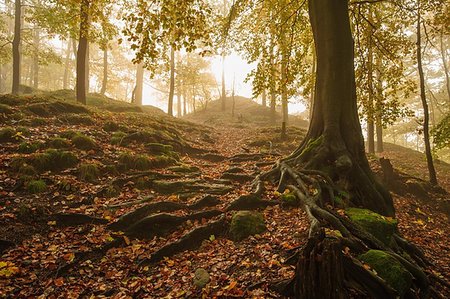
[
  {"x": 443, "y": 51},
  {"x": 426, "y": 116},
  {"x": 264, "y": 98},
  {"x": 16, "y": 47},
  {"x": 335, "y": 115},
  {"x": 223, "y": 94},
  {"x": 105, "y": 70},
  {"x": 370, "y": 108},
  {"x": 284, "y": 95},
  {"x": 172, "y": 81},
  {"x": 82, "y": 52}
]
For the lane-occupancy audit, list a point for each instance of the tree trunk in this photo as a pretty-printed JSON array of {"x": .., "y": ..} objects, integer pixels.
[
  {"x": 82, "y": 52},
  {"x": 139, "y": 84},
  {"x": 379, "y": 105},
  {"x": 224, "y": 95},
  {"x": 66, "y": 66},
  {"x": 105, "y": 70},
  {"x": 370, "y": 108},
  {"x": 87, "y": 67},
  {"x": 426, "y": 132},
  {"x": 335, "y": 115},
  {"x": 184, "y": 101},
  {"x": 36, "y": 41},
  {"x": 313, "y": 75},
  {"x": 264, "y": 98},
  {"x": 172, "y": 81},
  {"x": 16, "y": 47},
  {"x": 284, "y": 95}
]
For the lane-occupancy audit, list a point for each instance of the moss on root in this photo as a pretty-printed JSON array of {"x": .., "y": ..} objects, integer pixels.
[
  {"x": 58, "y": 143},
  {"x": 290, "y": 200},
  {"x": 83, "y": 142},
  {"x": 388, "y": 268},
  {"x": 51, "y": 159},
  {"x": 88, "y": 172},
  {"x": 29, "y": 147},
  {"x": 379, "y": 226},
  {"x": 117, "y": 138},
  {"x": 245, "y": 224},
  {"x": 36, "y": 186},
  {"x": 7, "y": 135},
  {"x": 144, "y": 162}
]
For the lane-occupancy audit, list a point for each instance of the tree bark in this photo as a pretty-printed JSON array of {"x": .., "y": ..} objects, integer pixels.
[
  {"x": 335, "y": 115},
  {"x": 284, "y": 95},
  {"x": 370, "y": 110},
  {"x": 444, "y": 62},
  {"x": 264, "y": 98},
  {"x": 16, "y": 47},
  {"x": 172, "y": 81},
  {"x": 139, "y": 84},
  {"x": 87, "y": 67},
  {"x": 82, "y": 52},
  {"x": 379, "y": 104},
  {"x": 36, "y": 41},
  {"x": 224, "y": 95},
  {"x": 426, "y": 116},
  {"x": 105, "y": 70}
]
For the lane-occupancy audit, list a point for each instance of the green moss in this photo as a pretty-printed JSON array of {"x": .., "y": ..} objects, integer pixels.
[
  {"x": 53, "y": 160},
  {"x": 29, "y": 147},
  {"x": 144, "y": 162},
  {"x": 117, "y": 138},
  {"x": 37, "y": 122},
  {"x": 379, "y": 226},
  {"x": 69, "y": 134},
  {"x": 388, "y": 268},
  {"x": 36, "y": 186},
  {"x": 290, "y": 200},
  {"x": 311, "y": 146},
  {"x": 58, "y": 143},
  {"x": 75, "y": 119},
  {"x": 83, "y": 142},
  {"x": 7, "y": 134},
  {"x": 183, "y": 169},
  {"x": 159, "y": 149},
  {"x": 4, "y": 109},
  {"x": 88, "y": 172},
  {"x": 246, "y": 223},
  {"x": 111, "y": 126},
  {"x": 112, "y": 191},
  {"x": 25, "y": 169}
]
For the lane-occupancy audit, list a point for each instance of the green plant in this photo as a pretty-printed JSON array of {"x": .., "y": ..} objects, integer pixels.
[
  {"x": 36, "y": 186},
  {"x": 58, "y": 143},
  {"x": 88, "y": 172}
]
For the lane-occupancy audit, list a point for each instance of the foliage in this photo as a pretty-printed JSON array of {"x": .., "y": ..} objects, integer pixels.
[
  {"x": 441, "y": 133},
  {"x": 36, "y": 186}
]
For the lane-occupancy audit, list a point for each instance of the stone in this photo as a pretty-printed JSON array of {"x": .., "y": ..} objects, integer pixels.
[
  {"x": 379, "y": 226},
  {"x": 388, "y": 268},
  {"x": 245, "y": 224},
  {"x": 201, "y": 278}
]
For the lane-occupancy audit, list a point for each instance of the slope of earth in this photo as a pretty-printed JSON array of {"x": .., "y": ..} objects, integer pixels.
[
  {"x": 166, "y": 168},
  {"x": 246, "y": 111}
]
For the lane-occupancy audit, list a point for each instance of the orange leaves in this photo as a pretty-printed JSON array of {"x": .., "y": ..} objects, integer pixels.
[{"x": 59, "y": 282}]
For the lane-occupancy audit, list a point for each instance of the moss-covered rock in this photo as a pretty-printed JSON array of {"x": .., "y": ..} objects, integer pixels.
[
  {"x": 37, "y": 122},
  {"x": 201, "y": 278},
  {"x": 111, "y": 126},
  {"x": 159, "y": 149},
  {"x": 36, "y": 186},
  {"x": 4, "y": 109},
  {"x": 117, "y": 138},
  {"x": 77, "y": 119},
  {"x": 52, "y": 159},
  {"x": 83, "y": 142},
  {"x": 183, "y": 168},
  {"x": 7, "y": 134},
  {"x": 246, "y": 223},
  {"x": 379, "y": 226},
  {"x": 388, "y": 268},
  {"x": 58, "y": 143},
  {"x": 88, "y": 172},
  {"x": 49, "y": 109},
  {"x": 290, "y": 200},
  {"x": 29, "y": 147},
  {"x": 144, "y": 162}
]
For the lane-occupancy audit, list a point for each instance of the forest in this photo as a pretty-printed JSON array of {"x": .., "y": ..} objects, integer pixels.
[{"x": 225, "y": 149}]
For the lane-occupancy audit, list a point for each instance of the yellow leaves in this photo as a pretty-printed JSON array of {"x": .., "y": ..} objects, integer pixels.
[
  {"x": 212, "y": 238},
  {"x": 8, "y": 269},
  {"x": 420, "y": 222},
  {"x": 232, "y": 284},
  {"x": 69, "y": 257},
  {"x": 127, "y": 240},
  {"x": 418, "y": 210},
  {"x": 333, "y": 233}
]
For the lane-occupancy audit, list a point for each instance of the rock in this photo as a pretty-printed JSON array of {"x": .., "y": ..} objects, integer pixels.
[
  {"x": 290, "y": 200},
  {"x": 379, "y": 226},
  {"x": 388, "y": 268},
  {"x": 246, "y": 223},
  {"x": 201, "y": 278}
]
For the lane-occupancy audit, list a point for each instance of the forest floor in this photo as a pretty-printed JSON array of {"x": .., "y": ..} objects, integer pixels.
[{"x": 43, "y": 259}]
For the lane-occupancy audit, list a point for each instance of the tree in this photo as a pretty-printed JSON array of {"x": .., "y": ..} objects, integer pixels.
[
  {"x": 331, "y": 162},
  {"x": 16, "y": 46},
  {"x": 82, "y": 51},
  {"x": 158, "y": 29}
]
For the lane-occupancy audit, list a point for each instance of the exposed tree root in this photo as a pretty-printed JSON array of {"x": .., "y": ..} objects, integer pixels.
[
  {"x": 74, "y": 219},
  {"x": 249, "y": 202},
  {"x": 190, "y": 241},
  {"x": 326, "y": 266}
]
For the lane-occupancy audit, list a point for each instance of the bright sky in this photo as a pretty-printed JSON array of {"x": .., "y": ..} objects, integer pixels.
[{"x": 235, "y": 67}]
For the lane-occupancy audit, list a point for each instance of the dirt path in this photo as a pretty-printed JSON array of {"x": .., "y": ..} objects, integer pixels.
[{"x": 236, "y": 269}]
